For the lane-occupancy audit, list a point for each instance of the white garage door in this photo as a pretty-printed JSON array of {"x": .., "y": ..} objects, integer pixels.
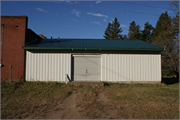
[{"x": 87, "y": 68}]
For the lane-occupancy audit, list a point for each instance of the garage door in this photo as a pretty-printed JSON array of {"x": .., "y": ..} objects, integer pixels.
[{"x": 87, "y": 68}]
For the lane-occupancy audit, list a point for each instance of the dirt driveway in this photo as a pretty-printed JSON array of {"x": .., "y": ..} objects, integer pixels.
[
  {"x": 70, "y": 109},
  {"x": 41, "y": 100}
]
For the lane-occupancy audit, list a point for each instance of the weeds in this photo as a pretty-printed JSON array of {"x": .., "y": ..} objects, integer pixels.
[
  {"x": 88, "y": 102},
  {"x": 26, "y": 98},
  {"x": 146, "y": 101},
  {"x": 138, "y": 101}
]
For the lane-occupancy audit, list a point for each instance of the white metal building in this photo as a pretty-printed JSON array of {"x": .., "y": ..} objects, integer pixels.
[{"x": 93, "y": 60}]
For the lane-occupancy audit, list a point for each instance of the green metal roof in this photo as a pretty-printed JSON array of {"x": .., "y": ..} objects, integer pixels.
[{"x": 92, "y": 44}]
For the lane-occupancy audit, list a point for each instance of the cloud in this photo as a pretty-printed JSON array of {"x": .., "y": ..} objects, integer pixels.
[
  {"x": 112, "y": 19},
  {"x": 41, "y": 10},
  {"x": 104, "y": 20},
  {"x": 97, "y": 14},
  {"x": 161, "y": 9},
  {"x": 96, "y": 23},
  {"x": 68, "y": 1},
  {"x": 122, "y": 25},
  {"x": 91, "y": 5},
  {"x": 69, "y": 25},
  {"x": 170, "y": 11},
  {"x": 98, "y": 2},
  {"x": 75, "y": 20},
  {"x": 76, "y": 2},
  {"x": 77, "y": 12}
]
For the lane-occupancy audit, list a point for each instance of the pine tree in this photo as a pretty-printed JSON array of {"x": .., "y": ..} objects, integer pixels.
[
  {"x": 147, "y": 32},
  {"x": 108, "y": 32},
  {"x": 134, "y": 31},
  {"x": 125, "y": 37},
  {"x": 166, "y": 35},
  {"x": 113, "y": 30},
  {"x": 163, "y": 23}
]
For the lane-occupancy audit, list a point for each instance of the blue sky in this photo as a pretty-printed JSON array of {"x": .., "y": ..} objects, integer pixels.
[{"x": 83, "y": 19}]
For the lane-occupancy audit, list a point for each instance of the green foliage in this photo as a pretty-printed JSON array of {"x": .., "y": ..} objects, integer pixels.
[
  {"x": 134, "y": 31},
  {"x": 113, "y": 30},
  {"x": 147, "y": 32},
  {"x": 124, "y": 37},
  {"x": 108, "y": 32},
  {"x": 175, "y": 24},
  {"x": 166, "y": 35},
  {"x": 163, "y": 23}
]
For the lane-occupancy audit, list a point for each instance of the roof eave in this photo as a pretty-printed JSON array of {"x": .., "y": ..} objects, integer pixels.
[{"x": 68, "y": 48}]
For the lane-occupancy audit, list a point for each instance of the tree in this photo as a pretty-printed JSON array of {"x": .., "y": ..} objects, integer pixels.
[
  {"x": 174, "y": 6},
  {"x": 108, "y": 32},
  {"x": 124, "y": 37},
  {"x": 167, "y": 37},
  {"x": 170, "y": 56},
  {"x": 134, "y": 31},
  {"x": 163, "y": 23},
  {"x": 147, "y": 32},
  {"x": 113, "y": 30}
]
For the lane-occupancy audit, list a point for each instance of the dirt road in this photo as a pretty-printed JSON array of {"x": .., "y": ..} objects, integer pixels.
[
  {"x": 48, "y": 100},
  {"x": 70, "y": 109}
]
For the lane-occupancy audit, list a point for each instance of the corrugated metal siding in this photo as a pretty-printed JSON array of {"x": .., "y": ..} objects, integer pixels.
[
  {"x": 114, "y": 67},
  {"x": 87, "y": 68},
  {"x": 131, "y": 67},
  {"x": 47, "y": 66}
]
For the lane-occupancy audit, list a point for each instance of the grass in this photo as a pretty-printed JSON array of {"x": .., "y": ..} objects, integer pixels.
[
  {"x": 138, "y": 101},
  {"x": 146, "y": 101},
  {"x": 18, "y": 100},
  {"x": 88, "y": 96}
]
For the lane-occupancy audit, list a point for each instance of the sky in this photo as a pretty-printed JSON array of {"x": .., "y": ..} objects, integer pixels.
[{"x": 84, "y": 19}]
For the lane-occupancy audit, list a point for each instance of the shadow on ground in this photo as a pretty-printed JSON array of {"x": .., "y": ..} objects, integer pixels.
[{"x": 168, "y": 81}]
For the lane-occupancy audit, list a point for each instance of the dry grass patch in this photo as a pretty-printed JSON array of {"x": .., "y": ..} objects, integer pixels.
[
  {"x": 113, "y": 101},
  {"x": 88, "y": 96},
  {"x": 20, "y": 100},
  {"x": 96, "y": 105},
  {"x": 146, "y": 101}
]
